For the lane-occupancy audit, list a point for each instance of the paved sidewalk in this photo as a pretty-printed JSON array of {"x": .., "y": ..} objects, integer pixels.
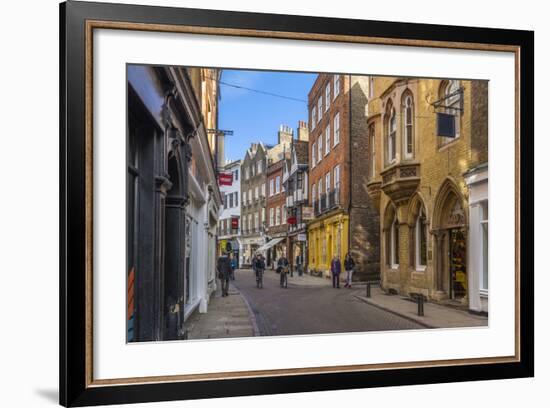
[
  {"x": 435, "y": 316},
  {"x": 227, "y": 317}
]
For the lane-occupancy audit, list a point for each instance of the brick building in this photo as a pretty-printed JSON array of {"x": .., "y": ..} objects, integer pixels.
[
  {"x": 345, "y": 218},
  {"x": 428, "y": 154}
]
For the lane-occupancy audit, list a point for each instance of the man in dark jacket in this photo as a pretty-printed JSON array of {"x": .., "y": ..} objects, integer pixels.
[
  {"x": 224, "y": 273},
  {"x": 335, "y": 269},
  {"x": 282, "y": 268},
  {"x": 349, "y": 266}
]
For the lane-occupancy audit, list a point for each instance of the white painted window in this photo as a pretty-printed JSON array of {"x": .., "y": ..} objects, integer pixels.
[
  {"x": 453, "y": 101},
  {"x": 262, "y": 220},
  {"x": 327, "y": 182},
  {"x": 271, "y": 187},
  {"x": 319, "y": 148},
  {"x": 327, "y": 139},
  {"x": 246, "y": 173},
  {"x": 337, "y": 177},
  {"x": 259, "y": 166},
  {"x": 408, "y": 127},
  {"x": 336, "y": 128},
  {"x": 256, "y": 192},
  {"x": 392, "y": 128},
  {"x": 244, "y": 196},
  {"x": 319, "y": 109},
  {"x": 278, "y": 216},
  {"x": 313, "y": 193},
  {"x": 283, "y": 214},
  {"x": 256, "y": 222},
  {"x": 313, "y": 147},
  {"x": 249, "y": 223},
  {"x": 336, "y": 85},
  {"x": 278, "y": 185},
  {"x": 313, "y": 117},
  {"x": 271, "y": 215},
  {"x": 236, "y": 198},
  {"x": 263, "y": 190},
  {"x": 327, "y": 96}
]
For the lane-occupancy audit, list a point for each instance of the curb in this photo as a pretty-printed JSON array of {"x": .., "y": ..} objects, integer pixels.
[
  {"x": 251, "y": 314},
  {"x": 403, "y": 315}
]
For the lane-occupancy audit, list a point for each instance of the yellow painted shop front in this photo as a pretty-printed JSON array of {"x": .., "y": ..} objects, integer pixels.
[{"x": 327, "y": 236}]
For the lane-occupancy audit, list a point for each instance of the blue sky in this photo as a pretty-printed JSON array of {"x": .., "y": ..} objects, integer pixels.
[{"x": 255, "y": 117}]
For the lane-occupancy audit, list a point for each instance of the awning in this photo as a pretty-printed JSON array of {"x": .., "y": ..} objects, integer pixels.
[{"x": 271, "y": 243}]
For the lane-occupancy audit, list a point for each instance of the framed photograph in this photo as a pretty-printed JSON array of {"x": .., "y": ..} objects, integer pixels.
[{"x": 258, "y": 204}]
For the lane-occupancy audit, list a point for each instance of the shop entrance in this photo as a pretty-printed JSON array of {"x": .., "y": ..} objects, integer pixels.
[{"x": 457, "y": 264}]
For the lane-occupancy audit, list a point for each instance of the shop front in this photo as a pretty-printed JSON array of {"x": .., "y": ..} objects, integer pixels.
[{"x": 327, "y": 237}]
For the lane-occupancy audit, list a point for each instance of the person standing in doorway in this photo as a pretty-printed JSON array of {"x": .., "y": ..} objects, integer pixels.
[
  {"x": 349, "y": 266},
  {"x": 224, "y": 273},
  {"x": 335, "y": 269}
]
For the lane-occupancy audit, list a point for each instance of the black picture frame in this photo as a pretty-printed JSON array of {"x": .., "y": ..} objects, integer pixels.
[{"x": 75, "y": 387}]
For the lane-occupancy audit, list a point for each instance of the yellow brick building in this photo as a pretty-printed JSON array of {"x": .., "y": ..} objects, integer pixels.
[
  {"x": 327, "y": 236},
  {"x": 430, "y": 189}
]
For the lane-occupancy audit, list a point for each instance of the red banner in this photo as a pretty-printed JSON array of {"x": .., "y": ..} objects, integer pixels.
[
  {"x": 234, "y": 223},
  {"x": 225, "y": 179},
  {"x": 291, "y": 220}
]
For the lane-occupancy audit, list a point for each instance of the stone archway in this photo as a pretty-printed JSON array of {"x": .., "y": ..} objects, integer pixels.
[{"x": 449, "y": 228}]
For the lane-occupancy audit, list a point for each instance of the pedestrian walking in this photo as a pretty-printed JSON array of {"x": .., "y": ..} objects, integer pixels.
[
  {"x": 282, "y": 268},
  {"x": 224, "y": 273},
  {"x": 299, "y": 266},
  {"x": 335, "y": 269},
  {"x": 258, "y": 265},
  {"x": 233, "y": 266},
  {"x": 349, "y": 266}
]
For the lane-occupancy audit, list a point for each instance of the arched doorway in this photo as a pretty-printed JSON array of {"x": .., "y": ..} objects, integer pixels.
[{"x": 450, "y": 232}]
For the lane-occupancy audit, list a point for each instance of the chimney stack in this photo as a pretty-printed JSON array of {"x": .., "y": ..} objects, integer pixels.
[{"x": 303, "y": 132}]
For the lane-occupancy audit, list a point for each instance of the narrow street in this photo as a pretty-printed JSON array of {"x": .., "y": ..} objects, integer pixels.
[{"x": 311, "y": 306}]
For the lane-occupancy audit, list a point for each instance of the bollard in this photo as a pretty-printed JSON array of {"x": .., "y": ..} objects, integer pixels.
[
  {"x": 368, "y": 289},
  {"x": 420, "y": 302}
]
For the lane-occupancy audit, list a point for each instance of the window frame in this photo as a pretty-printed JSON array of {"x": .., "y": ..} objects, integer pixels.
[
  {"x": 327, "y": 139},
  {"x": 336, "y": 120},
  {"x": 327, "y": 96},
  {"x": 408, "y": 115}
]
